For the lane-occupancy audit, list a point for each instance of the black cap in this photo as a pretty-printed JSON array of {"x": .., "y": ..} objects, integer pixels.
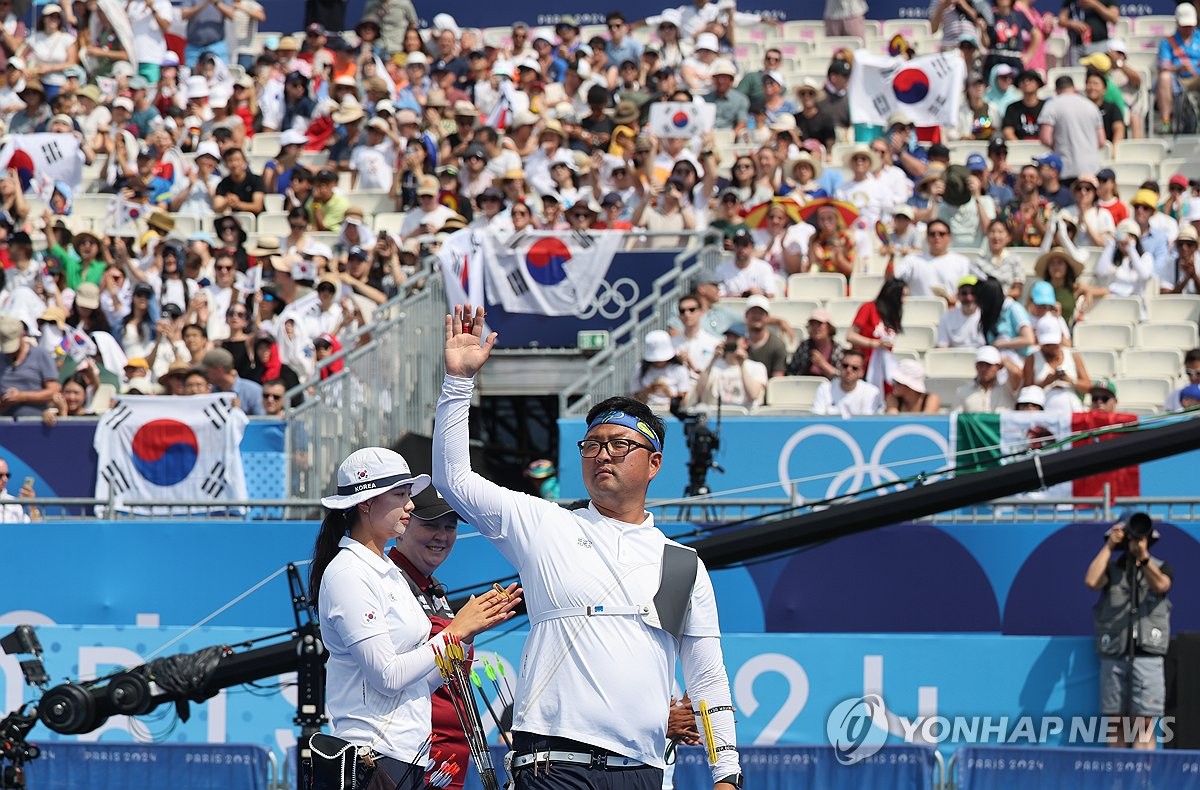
[
  {"x": 326, "y": 176},
  {"x": 997, "y": 144},
  {"x": 172, "y": 310},
  {"x": 1031, "y": 74},
  {"x": 611, "y": 199},
  {"x": 491, "y": 193},
  {"x": 338, "y": 44},
  {"x": 357, "y": 252},
  {"x": 143, "y": 289},
  {"x": 742, "y": 235},
  {"x": 839, "y": 66},
  {"x": 20, "y": 237},
  {"x": 316, "y": 29},
  {"x": 939, "y": 151},
  {"x": 475, "y": 150},
  {"x": 429, "y": 505}
]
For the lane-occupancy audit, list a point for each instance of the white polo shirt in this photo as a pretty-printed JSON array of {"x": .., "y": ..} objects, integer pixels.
[
  {"x": 381, "y": 668},
  {"x": 602, "y": 680}
]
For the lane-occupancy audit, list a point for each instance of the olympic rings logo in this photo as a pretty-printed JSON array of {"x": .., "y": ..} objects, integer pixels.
[
  {"x": 612, "y": 300},
  {"x": 855, "y": 476}
]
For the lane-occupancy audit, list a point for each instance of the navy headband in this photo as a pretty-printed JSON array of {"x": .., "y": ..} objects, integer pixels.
[{"x": 618, "y": 417}]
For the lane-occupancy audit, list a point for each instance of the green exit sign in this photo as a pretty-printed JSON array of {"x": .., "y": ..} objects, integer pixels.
[{"x": 592, "y": 340}]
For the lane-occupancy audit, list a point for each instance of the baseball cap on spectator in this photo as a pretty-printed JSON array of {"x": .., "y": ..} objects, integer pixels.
[
  {"x": 1177, "y": 180},
  {"x": 1103, "y": 386},
  {"x": 453, "y": 222},
  {"x": 447, "y": 171},
  {"x": 416, "y": 59},
  {"x": 709, "y": 42},
  {"x": 1035, "y": 396},
  {"x": 121, "y": 103},
  {"x": 542, "y": 34},
  {"x": 475, "y": 151},
  {"x": 346, "y": 81},
  {"x": 315, "y": 29},
  {"x": 325, "y": 176},
  {"x": 988, "y": 354},
  {"x": 17, "y": 63},
  {"x": 611, "y": 199},
  {"x": 427, "y": 185},
  {"x": 1048, "y": 330},
  {"x": 406, "y": 117},
  {"x": 1144, "y": 197},
  {"x": 1190, "y": 392},
  {"x": 379, "y": 125},
  {"x": 491, "y": 193},
  {"x": 1106, "y": 174},
  {"x": 88, "y": 295},
  {"x": 1188, "y": 233},
  {"x": 976, "y": 163},
  {"x": 759, "y": 301},
  {"x": 670, "y": 16},
  {"x": 11, "y": 332},
  {"x": 840, "y": 67},
  {"x": 774, "y": 76},
  {"x": 1087, "y": 178},
  {"x": 137, "y": 363},
  {"x": 899, "y": 118},
  {"x": 357, "y": 252},
  {"x": 742, "y": 236},
  {"x": 338, "y": 44},
  {"x": 1185, "y": 15},
  {"x": 1042, "y": 294},
  {"x": 143, "y": 289},
  {"x": 1051, "y": 160}
]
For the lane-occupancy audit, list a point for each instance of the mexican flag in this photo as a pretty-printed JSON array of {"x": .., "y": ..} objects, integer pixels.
[{"x": 986, "y": 440}]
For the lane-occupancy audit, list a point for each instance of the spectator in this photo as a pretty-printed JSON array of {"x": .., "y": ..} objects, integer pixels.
[
  {"x": 906, "y": 152},
  {"x": 937, "y": 272},
  {"x": 733, "y": 108},
  {"x": 1124, "y": 267},
  {"x": 241, "y": 190},
  {"x": 835, "y": 101},
  {"x": 621, "y": 46},
  {"x": 218, "y": 367},
  {"x": 750, "y": 84},
  {"x": 1059, "y": 371},
  {"x": 11, "y": 513},
  {"x": 1086, "y": 23},
  {"x": 1186, "y": 260},
  {"x": 1001, "y": 179},
  {"x": 1022, "y": 118},
  {"x": 986, "y": 393},
  {"x": 1175, "y": 206},
  {"x": 1103, "y": 396},
  {"x": 1061, "y": 271},
  {"x": 804, "y": 171},
  {"x": 998, "y": 262},
  {"x": 613, "y": 207},
  {"x": 1094, "y": 225},
  {"x": 959, "y": 326},
  {"x": 661, "y": 377},
  {"x": 694, "y": 344},
  {"x": 848, "y": 395},
  {"x": 1052, "y": 189},
  {"x": 196, "y": 383},
  {"x": 732, "y": 378},
  {"x": 1072, "y": 127},
  {"x": 1003, "y": 322},
  {"x": 764, "y": 345},
  {"x": 195, "y": 340},
  {"x": 28, "y": 378},
  {"x": 845, "y": 18},
  {"x": 430, "y": 215},
  {"x": 1042, "y": 302},
  {"x": 746, "y": 275},
  {"x": 964, "y": 206},
  {"x": 1095, "y": 87},
  {"x": 819, "y": 354},
  {"x": 273, "y": 391},
  {"x": 667, "y": 213},
  {"x": 781, "y": 241},
  {"x": 909, "y": 393},
  {"x": 832, "y": 247},
  {"x": 1178, "y": 64},
  {"x": 874, "y": 329},
  {"x": 959, "y": 20}
]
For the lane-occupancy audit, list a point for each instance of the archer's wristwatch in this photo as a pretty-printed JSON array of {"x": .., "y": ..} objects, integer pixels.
[{"x": 733, "y": 779}]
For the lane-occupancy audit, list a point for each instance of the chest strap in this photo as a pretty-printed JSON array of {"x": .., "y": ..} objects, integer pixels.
[{"x": 597, "y": 610}]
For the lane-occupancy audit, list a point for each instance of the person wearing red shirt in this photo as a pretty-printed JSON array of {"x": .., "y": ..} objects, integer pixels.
[{"x": 613, "y": 207}]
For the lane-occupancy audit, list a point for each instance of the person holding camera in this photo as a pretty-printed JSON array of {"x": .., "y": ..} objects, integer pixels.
[
  {"x": 1133, "y": 629},
  {"x": 732, "y": 378}
]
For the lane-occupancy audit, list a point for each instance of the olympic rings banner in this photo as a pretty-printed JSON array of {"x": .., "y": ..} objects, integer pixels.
[{"x": 542, "y": 290}]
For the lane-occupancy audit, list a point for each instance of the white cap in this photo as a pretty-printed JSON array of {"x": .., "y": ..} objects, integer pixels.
[
  {"x": 445, "y": 22},
  {"x": 759, "y": 301},
  {"x": 317, "y": 249},
  {"x": 988, "y": 354},
  {"x": 197, "y": 88},
  {"x": 1185, "y": 15},
  {"x": 1034, "y": 395},
  {"x": 723, "y": 66},
  {"x": 416, "y": 58},
  {"x": 543, "y": 33},
  {"x": 123, "y": 103},
  {"x": 708, "y": 41},
  {"x": 369, "y": 472},
  {"x": 293, "y": 137},
  {"x": 657, "y": 347},
  {"x": 911, "y": 374},
  {"x": 777, "y": 77},
  {"x": 208, "y": 148},
  {"x": 1048, "y": 330}
]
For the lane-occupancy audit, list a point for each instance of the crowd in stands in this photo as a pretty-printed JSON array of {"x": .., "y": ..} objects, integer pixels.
[{"x": 248, "y": 200}]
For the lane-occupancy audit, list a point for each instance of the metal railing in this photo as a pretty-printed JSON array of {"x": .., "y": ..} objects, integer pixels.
[
  {"x": 608, "y": 372},
  {"x": 388, "y": 386}
]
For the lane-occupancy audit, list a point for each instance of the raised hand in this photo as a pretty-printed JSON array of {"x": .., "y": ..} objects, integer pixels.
[{"x": 466, "y": 348}]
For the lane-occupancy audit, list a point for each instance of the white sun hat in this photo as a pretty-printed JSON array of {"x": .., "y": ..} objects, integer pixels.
[{"x": 369, "y": 472}]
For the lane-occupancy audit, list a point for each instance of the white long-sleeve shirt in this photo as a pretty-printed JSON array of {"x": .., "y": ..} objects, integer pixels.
[
  {"x": 602, "y": 680},
  {"x": 381, "y": 667}
]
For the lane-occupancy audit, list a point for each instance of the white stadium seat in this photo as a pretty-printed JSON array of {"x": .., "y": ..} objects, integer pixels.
[
  {"x": 794, "y": 392},
  {"x": 866, "y": 286},
  {"x": 794, "y": 311},
  {"x": 923, "y": 310},
  {"x": 816, "y": 285},
  {"x": 950, "y": 362},
  {"x": 1152, "y": 362},
  {"x": 842, "y": 311},
  {"x": 1100, "y": 363},
  {"x": 1114, "y": 337},
  {"x": 1116, "y": 310},
  {"x": 1167, "y": 334},
  {"x": 1175, "y": 307},
  {"x": 916, "y": 337},
  {"x": 1143, "y": 391}
]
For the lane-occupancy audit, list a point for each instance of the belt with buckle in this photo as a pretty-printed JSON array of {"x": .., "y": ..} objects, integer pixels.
[{"x": 589, "y": 759}]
